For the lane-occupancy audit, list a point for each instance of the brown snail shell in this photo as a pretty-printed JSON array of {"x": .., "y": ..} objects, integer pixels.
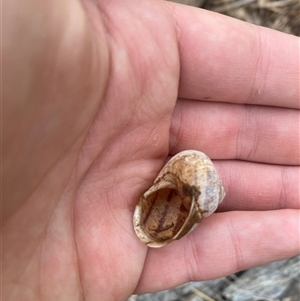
[{"x": 187, "y": 189}]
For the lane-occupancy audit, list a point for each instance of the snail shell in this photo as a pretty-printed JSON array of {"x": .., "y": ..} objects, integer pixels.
[{"x": 187, "y": 189}]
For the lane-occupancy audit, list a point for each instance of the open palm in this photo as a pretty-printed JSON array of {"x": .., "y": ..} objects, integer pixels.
[{"x": 115, "y": 87}]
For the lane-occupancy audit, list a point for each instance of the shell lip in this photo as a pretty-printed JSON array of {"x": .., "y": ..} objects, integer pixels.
[{"x": 194, "y": 217}]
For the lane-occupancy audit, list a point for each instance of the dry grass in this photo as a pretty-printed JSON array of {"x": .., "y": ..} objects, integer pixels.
[{"x": 282, "y": 15}]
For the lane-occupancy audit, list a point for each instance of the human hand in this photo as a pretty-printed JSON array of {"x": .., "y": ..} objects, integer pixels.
[{"x": 96, "y": 95}]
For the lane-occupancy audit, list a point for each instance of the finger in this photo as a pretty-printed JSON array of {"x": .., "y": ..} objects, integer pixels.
[
  {"x": 227, "y": 60},
  {"x": 228, "y": 131},
  {"x": 223, "y": 244},
  {"x": 253, "y": 186}
]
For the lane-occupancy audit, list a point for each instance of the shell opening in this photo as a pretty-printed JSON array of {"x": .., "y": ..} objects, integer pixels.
[{"x": 165, "y": 214}]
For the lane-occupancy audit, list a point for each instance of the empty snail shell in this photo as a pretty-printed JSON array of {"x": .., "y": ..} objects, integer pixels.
[{"x": 187, "y": 189}]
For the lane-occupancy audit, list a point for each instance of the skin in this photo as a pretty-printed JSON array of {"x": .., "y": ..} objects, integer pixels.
[{"x": 96, "y": 96}]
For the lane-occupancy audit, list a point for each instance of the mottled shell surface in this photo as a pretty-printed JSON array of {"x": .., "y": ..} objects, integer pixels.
[{"x": 187, "y": 189}]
